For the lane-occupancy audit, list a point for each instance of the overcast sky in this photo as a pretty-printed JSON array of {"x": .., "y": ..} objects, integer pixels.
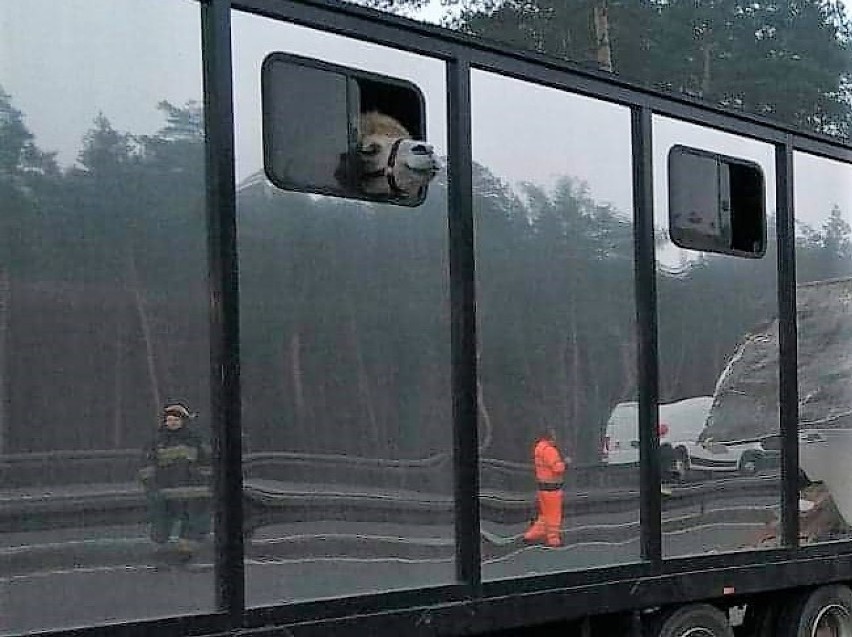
[{"x": 65, "y": 61}]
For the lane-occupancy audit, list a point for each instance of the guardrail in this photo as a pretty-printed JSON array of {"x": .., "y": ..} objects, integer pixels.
[
  {"x": 46, "y": 491},
  {"x": 269, "y": 503},
  {"x": 433, "y": 473}
]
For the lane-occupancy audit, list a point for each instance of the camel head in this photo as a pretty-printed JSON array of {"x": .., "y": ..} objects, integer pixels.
[{"x": 389, "y": 161}]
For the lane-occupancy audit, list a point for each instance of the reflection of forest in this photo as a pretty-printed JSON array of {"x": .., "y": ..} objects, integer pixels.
[{"x": 345, "y": 311}]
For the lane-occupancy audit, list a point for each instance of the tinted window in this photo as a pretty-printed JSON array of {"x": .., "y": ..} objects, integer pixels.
[
  {"x": 716, "y": 203},
  {"x": 306, "y": 126}
]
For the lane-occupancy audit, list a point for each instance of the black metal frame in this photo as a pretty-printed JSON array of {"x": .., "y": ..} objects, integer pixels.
[{"x": 471, "y": 605}]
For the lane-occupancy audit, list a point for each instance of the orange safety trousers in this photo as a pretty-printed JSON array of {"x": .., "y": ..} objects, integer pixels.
[{"x": 547, "y": 525}]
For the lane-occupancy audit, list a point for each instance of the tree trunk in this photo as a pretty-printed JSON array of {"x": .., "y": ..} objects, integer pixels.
[
  {"x": 117, "y": 385},
  {"x": 487, "y": 428},
  {"x": 144, "y": 323},
  {"x": 706, "y": 57},
  {"x": 578, "y": 388},
  {"x": 603, "y": 52},
  {"x": 298, "y": 381},
  {"x": 364, "y": 385},
  {"x": 5, "y": 308}
]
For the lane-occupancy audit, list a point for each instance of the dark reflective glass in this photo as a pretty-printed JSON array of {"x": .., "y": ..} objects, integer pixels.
[
  {"x": 694, "y": 197},
  {"x": 305, "y": 125},
  {"x": 103, "y": 315},
  {"x": 718, "y": 356},
  {"x": 556, "y": 329},
  {"x": 823, "y": 203},
  {"x": 716, "y": 203},
  {"x": 345, "y": 360}
]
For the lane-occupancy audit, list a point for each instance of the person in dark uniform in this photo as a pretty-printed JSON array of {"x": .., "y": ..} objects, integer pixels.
[{"x": 176, "y": 478}]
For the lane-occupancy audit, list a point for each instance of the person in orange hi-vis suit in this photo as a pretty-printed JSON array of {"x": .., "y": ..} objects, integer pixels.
[{"x": 549, "y": 472}]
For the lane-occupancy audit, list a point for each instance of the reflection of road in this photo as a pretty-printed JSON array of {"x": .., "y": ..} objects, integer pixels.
[
  {"x": 109, "y": 575},
  {"x": 84, "y": 596}
]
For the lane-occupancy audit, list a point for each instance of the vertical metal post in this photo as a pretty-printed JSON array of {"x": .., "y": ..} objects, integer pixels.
[
  {"x": 788, "y": 391},
  {"x": 646, "y": 315},
  {"x": 224, "y": 304},
  {"x": 463, "y": 321}
]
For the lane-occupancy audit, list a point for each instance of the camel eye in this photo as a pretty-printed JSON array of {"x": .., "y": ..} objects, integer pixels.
[{"x": 370, "y": 149}]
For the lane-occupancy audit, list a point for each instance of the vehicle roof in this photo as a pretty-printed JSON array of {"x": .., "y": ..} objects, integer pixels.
[{"x": 685, "y": 418}]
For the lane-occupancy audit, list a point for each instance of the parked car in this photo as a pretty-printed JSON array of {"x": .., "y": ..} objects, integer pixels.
[
  {"x": 745, "y": 457},
  {"x": 824, "y": 456}
]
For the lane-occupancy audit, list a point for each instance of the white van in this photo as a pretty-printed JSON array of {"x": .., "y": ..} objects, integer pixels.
[
  {"x": 621, "y": 439},
  {"x": 681, "y": 424}
]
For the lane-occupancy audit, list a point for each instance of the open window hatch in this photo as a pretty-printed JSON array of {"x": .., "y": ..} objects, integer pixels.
[{"x": 334, "y": 130}]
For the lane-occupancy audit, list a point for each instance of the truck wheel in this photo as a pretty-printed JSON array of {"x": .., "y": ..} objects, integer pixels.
[
  {"x": 696, "y": 620},
  {"x": 821, "y": 612}
]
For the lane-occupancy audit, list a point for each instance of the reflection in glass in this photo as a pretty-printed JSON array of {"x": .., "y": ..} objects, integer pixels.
[
  {"x": 345, "y": 362},
  {"x": 305, "y": 128},
  {"x": 694, "y": 48},
  {"x": 336, "y": 130},
  {"x": 716, "y": 203},
  {"x": 103, "y": 311},
  {"x": 823, "y": 203},
  {"x": 554, "y": 250},
  {"x": 718, "y": 370}
]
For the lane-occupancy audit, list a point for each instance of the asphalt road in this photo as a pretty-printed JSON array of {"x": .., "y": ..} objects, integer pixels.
[{"x": 80, "y": 577}]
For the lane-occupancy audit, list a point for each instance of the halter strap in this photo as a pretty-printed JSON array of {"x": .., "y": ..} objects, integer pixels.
[{"x": 387, "y": 171}]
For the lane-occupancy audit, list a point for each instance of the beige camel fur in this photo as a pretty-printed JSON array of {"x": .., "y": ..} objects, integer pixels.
[{"x": 403, "y": 175}]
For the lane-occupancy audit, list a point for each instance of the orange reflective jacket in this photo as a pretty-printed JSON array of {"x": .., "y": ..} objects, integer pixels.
[{"x": 549, "y": 466}]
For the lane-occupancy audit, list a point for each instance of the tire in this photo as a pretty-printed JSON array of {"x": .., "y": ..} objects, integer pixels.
[
  {"x": 680, "y": 464},
  {"x": 749, "y": 464},
  {"x": 695, "y": 620},
  {"x": 820, "y": 612}
]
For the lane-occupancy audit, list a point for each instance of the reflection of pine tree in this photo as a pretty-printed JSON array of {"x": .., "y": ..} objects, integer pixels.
[
  {"x": 24, "y": 172},
  {"x": 554, "y": 287},
  {"x": 836, "y": 243},
  {"x": 786, "y": 59},
  {"x": 825, "y": 253},
  {"x": 19, "y": 156},
  {"x": 122, "y": 229},
  {"x": 345, "y": 315}
]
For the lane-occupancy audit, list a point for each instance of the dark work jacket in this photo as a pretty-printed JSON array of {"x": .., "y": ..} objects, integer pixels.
[{"x": 177, "y": 464}]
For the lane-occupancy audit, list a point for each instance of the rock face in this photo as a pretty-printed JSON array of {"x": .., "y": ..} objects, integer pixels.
[{"x": 745, "y": 401}]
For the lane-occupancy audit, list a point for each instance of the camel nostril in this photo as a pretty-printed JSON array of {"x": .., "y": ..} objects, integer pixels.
[{"x": 421, "y": 149}]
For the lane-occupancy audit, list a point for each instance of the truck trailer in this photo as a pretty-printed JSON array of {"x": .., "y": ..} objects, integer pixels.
[{"x": 368, "y": 263}]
